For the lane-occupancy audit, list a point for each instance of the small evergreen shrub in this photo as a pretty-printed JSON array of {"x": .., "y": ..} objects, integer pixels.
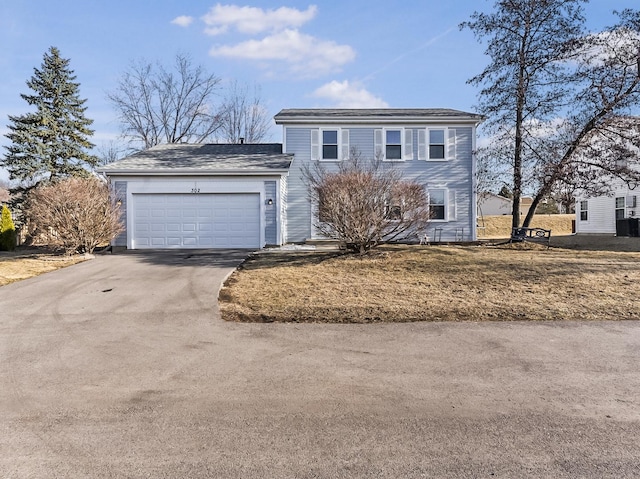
[{"x": 7, "y": 231}]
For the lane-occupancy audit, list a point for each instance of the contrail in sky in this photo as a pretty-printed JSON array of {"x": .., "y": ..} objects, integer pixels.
[{"x": 404, "y": 55}]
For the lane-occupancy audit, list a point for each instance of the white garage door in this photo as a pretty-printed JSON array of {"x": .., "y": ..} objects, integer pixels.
[{"x": 196, "y": 221}]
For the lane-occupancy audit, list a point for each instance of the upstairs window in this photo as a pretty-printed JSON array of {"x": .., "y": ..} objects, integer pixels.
[
  {"x": 437, "y": 144},
  {"x": 330, "y": 144},
  {"x": 393, "y": 144}
]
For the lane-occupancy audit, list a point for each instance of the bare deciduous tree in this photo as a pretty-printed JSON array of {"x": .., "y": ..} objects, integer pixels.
[
  {"x": 242, "y": 116},
  {"x": 560, "y": 101},
  {"x": 156, "y": 105},
  {"x": 525, "y": 81},
  {"x": 363, "y": 203},
  {"x": 75, "y": 214},
  {"x": 111, "y": 151}
]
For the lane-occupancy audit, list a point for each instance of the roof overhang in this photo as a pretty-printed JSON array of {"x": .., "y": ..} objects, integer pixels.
[
  {"x": 380, "y": 120},
  {"x": 374, "y": 117},
  {"x": 191, "y": 172}
]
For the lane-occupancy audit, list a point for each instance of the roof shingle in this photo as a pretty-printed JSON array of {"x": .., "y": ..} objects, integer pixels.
[{"x": 216, "y": 158}]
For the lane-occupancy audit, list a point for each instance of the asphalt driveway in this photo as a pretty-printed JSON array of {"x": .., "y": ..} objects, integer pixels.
[{"x": 121, "y": 367}]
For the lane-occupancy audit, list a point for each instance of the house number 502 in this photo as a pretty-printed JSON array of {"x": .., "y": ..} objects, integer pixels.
[{"x": 195, "y": 190}]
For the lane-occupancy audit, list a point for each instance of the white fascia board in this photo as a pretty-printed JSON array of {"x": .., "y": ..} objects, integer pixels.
[
  {"x": 132, "y": 172},
  {"x": 314, "y": 121}
]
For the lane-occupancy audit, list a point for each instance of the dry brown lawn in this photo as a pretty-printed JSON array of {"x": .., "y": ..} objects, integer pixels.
[
  {"x": 455, "y": 283},
  {"x": 16, "y": 266},
  {"x": 490, "y": 227}
]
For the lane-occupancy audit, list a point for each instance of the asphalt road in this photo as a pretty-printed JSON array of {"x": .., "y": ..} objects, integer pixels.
[{"x": 120, "y": 367}]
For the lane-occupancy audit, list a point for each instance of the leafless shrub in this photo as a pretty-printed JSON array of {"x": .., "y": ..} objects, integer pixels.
[
  {"x": 75, "y": 214},
  {"x": 364, "y": 203}
]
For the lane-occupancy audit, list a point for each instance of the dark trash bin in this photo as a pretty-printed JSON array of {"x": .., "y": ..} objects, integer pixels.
[{"x": 627, "y": 227}]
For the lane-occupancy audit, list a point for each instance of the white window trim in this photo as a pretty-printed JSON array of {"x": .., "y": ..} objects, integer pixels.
[
  {"x": 450, "y": 152},
  {"x": 343, "y": 144},
  {"x": 406, "y": 147},
  {"x": 447, "y": 202},
  {"x": 580, "y": 210},
  {"x": 622, "y": 208}
]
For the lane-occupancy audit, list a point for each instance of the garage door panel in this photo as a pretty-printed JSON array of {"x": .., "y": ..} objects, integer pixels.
[
  {"x": 206, "y": 241},
  {"x": 189, "y": 213},
  {"x": 196, "y": 221}
]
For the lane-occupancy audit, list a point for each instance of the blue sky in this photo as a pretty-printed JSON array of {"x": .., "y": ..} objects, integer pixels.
[{"x": 348, "y": 53}]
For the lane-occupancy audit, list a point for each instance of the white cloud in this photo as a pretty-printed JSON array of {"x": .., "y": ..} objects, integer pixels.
[
  {"x": 619, "y": 46},
  {"x": 182, "y": 21},
  {"x": 252, "y": 20},
  {"x": 306, "y": 55},
  {"x": 349, "y": 95}
]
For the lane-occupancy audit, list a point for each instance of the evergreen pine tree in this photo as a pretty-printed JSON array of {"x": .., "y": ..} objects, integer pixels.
[
  {"x": 52, "y": 142},
  {"x": 7, "y": 230}
]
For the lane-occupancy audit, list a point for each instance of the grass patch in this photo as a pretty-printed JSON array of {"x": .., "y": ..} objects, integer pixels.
[
  {"x": 398, "y": 284},
  {"x": 490, "y": 227},
  {"x": 20, "y": 264}
]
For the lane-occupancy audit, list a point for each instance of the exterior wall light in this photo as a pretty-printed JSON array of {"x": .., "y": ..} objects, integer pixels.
[{"x": 269, "y": 202}]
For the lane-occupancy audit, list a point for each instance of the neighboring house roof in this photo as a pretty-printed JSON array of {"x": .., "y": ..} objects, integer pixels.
[
  {"x": 376, "y": 115},
  {"x": 487, "y": 195},
  {"x": 204, "y": 159},
  {"x": 526, "y": 201}
]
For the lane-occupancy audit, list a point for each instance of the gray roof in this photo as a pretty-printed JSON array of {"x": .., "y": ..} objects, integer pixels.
[
  {"x": 369, "y": 115},
  {"x": 204, "y": 158}
]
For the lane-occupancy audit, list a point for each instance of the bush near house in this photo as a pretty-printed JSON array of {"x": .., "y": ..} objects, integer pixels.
[
  {"x": 366, "y": 203},
  {"x": 75, "y": 214},
  {"x": 7, "y": 231}
]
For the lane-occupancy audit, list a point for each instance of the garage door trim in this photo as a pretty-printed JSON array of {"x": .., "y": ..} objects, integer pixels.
[{"x": 206, "y": 220}]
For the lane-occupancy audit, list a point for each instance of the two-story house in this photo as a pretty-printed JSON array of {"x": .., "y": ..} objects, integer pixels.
[
  {"x": 249, "y": 196},
  {"x": 601, "y": 214}
]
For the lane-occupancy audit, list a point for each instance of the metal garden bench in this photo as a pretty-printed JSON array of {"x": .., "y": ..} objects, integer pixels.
[{"x": 534, "y": 235}]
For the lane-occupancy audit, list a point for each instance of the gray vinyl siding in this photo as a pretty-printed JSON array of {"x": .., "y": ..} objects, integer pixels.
[
  {"x": 298, "y": 141},
  {"x": 283, "y": 208},
  {"x": 270, "y": 214},
  {"x": 454, "y": 175},
  {"x": 362, "y": 140},
  {"x": 120, "y": 190}
]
